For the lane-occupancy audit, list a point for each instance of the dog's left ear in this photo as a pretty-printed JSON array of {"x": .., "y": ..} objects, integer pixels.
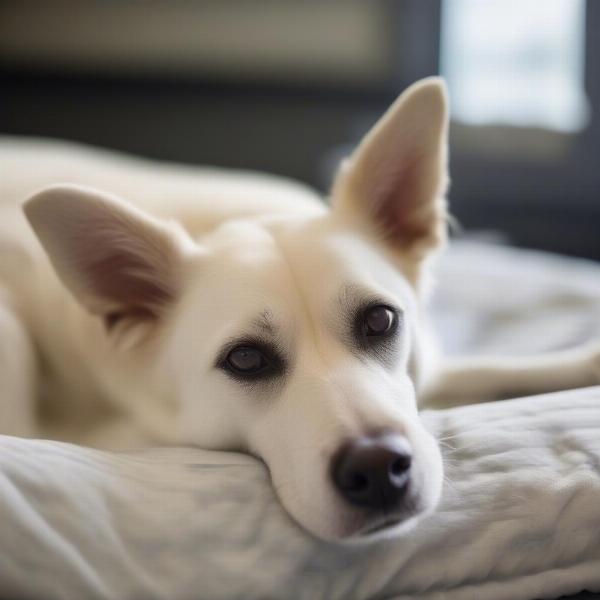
[
  {"x": 394, "y": 183},
  {"x": 118, "y": 262}
]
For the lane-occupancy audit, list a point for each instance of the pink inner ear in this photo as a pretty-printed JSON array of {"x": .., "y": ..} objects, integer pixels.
[
  {"x": 124, "y": 265},
  {"x": 399, "y": 207},
  {"x": 128, "y": 281}
]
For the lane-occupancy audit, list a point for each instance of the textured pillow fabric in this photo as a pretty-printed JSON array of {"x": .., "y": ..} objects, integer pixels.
[{"x": 520, "y": 519}]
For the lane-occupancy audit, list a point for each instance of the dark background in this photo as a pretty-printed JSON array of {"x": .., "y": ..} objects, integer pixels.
[{"x": 172, "y": 79}]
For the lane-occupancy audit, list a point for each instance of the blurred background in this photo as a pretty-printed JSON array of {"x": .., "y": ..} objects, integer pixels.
[{"x": 289, "y": 87}]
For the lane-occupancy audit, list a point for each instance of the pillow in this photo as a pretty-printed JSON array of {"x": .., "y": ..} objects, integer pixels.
[{"x": 520, "y": 519}]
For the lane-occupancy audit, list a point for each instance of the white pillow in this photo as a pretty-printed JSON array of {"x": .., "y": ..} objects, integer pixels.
[{"x": 520, "y": 519}]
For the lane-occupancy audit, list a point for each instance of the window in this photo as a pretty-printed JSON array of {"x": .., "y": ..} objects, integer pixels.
[{"x": 516, "y": 62}]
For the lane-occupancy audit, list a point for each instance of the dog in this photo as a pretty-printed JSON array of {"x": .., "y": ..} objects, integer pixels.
[{"x": 241, "y": 312}]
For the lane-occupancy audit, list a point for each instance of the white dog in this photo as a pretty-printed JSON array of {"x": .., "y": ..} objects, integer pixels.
[{"x": 239, "y": 312}]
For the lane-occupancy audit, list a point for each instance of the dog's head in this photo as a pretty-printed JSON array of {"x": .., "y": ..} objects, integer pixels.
[{"x": 294, "y": 338}]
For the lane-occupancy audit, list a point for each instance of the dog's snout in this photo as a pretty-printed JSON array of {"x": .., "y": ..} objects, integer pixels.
[{"x": 373, "y": 472}]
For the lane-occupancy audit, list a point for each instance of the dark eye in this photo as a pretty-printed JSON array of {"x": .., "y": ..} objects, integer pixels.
[
  {"x": 246, "y": 360},
  {"x": 249, "y": 361},
  {"x": 379, "y": 320}
]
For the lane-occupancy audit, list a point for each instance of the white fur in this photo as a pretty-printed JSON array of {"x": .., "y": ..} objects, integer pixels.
[{"x": 129, "y": 303}]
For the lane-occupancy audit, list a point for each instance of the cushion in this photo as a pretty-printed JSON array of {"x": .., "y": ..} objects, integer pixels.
[{"x": 520, "y": 519}]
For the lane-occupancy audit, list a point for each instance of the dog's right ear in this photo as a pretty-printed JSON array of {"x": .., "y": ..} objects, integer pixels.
[
  {"x": 117, "y": 261},
  {"x": 394, "y": 183}
]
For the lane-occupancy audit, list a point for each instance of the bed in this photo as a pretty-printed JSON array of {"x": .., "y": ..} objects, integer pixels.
[{"x": 520, "y": 516}]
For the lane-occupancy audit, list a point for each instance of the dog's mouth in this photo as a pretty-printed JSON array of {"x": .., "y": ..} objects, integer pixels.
[
  {"x": 384, "y": 522},
  {"x": 381, "y": 526}
]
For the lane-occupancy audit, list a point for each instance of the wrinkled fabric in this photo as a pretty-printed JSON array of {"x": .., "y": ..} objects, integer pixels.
[
  {"x": 520, "y": 519},
  {"x": 498, "y": 300}
]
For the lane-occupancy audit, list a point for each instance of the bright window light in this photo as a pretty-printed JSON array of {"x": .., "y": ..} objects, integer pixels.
[{"x": 515, "y": 62}]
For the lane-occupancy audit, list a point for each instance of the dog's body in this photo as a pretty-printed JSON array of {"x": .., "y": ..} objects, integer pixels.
[{"x": 258, "y": 320}]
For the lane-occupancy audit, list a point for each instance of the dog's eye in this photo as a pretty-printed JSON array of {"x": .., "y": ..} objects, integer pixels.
[
  {"x": 375, "y": 330},
  {"x": 246, "y": 360},
  {"x": 250, "y": 360},
  {"x": 379, "y": 320}
]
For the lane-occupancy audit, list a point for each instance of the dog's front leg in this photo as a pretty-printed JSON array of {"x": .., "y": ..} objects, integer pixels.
[{"x": 468, "y": 380}]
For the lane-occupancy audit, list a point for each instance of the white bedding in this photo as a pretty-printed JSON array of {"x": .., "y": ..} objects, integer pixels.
[{"x": 520, "y": 518}]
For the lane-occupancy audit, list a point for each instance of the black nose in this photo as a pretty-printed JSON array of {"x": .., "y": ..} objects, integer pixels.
[{"x": 373, "y": 472}]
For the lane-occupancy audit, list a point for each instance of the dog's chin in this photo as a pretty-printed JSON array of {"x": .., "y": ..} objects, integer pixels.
[
  {"x": 360, "y": 528},
  {"x": 384, "y": 528},
  {"x": 372, "y": 531}
]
